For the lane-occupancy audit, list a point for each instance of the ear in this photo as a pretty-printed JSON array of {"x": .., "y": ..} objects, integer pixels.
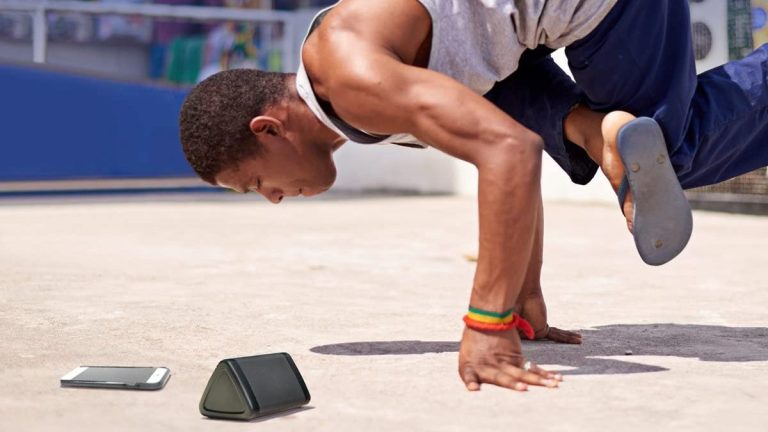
[{"x": 267, "y": 126}]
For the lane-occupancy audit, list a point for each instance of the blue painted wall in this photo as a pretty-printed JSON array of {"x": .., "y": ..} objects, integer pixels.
[{"x": 57, "y": 126}]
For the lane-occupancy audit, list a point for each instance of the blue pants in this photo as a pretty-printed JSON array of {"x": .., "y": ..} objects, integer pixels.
[{"x": 640, "y": 60}]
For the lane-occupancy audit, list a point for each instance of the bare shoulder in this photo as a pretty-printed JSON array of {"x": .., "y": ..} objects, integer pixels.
[{"x": 356, "y": 30}]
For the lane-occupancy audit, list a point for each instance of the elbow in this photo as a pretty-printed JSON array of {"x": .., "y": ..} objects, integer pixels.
[
  {"x": 523, "y": 152},
  {"x": 525, "y": 142},
  {"x": 530, "y": 145}
]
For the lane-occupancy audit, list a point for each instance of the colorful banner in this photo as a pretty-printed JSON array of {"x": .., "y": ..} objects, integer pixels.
[
  {"x": 759, "y": 22},
  {"x": 739, "y": 28}
]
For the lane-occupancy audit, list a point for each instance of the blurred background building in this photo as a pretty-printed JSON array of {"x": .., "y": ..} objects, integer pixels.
[
  {"x": 113, "y": 57},
  {"x": 136, "y": 47}
]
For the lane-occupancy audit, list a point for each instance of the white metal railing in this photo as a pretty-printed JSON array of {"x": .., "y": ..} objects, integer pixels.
[{"x": 294, "y": 23}]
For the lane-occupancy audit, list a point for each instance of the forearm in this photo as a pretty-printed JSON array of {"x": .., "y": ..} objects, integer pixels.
[
  {"x": 530, "y": 303},
  {"x": 441, "y": 112},
  {"x": 532, "y": 282},
  {"x": 509, "y": 203}
]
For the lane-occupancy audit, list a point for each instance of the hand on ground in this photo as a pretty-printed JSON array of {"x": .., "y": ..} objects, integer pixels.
[
  {"x": 496, "y": 358},
  {"x": 555, "y": 334},
  {"x": 534, "y": 310}
]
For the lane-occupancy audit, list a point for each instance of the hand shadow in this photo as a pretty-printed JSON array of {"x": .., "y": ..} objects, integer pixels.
[{"x": 705, "y": 342}]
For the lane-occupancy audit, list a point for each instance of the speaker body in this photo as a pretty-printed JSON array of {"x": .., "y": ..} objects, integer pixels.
[{"x": 248, "y": 387}]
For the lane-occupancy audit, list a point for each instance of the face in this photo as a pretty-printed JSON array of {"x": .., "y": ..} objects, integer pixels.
[{"x": 281, "y": 169}]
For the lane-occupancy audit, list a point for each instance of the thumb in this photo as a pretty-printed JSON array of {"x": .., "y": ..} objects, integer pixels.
[{"x": 470, "y": 378}]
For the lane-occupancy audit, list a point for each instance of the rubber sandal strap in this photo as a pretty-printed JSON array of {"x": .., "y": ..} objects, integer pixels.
[{"x": 623, "y": 191}]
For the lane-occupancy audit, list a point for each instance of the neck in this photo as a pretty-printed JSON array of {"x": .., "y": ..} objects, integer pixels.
[{"x": 320, "y": 135}]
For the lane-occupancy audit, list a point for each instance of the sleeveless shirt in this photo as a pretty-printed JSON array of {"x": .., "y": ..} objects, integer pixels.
[{"x": 477, "y": 43}]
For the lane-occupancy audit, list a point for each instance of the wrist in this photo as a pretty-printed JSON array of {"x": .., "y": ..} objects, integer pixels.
[
  {"x": 491, "y": 321},
  {"x": 495, "y": 301}
]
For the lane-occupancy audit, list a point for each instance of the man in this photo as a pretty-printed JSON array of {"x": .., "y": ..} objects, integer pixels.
[{"x": 413, "y": 71}]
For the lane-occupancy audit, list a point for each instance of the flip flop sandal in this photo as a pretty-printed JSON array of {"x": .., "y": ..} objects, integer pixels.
[{"x": 662, "y": 220}]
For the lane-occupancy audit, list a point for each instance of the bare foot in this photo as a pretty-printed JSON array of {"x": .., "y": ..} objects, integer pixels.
[{"x": 611, "y": 163}]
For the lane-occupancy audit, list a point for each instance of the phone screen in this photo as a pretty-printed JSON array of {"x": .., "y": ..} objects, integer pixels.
[{"x": 127, "y": 375}]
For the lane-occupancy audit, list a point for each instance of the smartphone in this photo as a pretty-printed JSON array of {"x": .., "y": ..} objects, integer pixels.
[{"x": 137, "y": 378}]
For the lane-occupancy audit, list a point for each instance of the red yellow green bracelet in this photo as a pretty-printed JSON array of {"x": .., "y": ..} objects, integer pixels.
[{"x": 483, "y": 320}]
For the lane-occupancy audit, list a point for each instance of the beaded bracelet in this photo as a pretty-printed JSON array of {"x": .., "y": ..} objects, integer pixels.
[{"x": 478, "y": 319}]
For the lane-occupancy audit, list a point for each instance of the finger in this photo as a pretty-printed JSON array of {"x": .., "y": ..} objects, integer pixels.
[
  {"x": 547, "y": 374},
  {"x": 470, "y": 378},
  {"x": 496, "y": 376},
  {"x": 538, "y": 378},
  {"x": 563, "y": 336}
]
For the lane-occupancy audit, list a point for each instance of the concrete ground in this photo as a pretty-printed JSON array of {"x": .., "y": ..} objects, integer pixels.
[{"x": 367, "y": 296}]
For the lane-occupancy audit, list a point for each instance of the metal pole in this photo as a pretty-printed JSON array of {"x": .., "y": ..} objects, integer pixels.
[
  {"x": 196, "y": 13},
  {"x": 291, "y": 20},
  {"x": 39, "y": 35},
  {"x": 288, "y": 48}
]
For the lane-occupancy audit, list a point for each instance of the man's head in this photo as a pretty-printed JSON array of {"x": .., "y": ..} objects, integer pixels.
[{"x": 249, "y": 131}]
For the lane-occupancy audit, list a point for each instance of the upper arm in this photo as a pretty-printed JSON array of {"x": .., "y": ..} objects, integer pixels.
[{"x": 378, "y": 93}]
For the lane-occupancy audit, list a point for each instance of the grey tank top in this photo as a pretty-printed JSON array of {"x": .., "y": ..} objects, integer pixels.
[{"x": 477, "y": 43}]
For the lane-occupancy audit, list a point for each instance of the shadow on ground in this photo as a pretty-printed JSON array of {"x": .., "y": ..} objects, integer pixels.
[
  {"x": 707, "y": 343},
  {"x": 290, "y": 412}
]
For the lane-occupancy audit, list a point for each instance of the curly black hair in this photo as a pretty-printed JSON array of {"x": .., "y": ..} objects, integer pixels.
[{"x": 215, "y": 118}]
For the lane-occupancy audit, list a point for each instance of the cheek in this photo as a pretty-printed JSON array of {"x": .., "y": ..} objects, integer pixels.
[{"x": 313, "y": 168}]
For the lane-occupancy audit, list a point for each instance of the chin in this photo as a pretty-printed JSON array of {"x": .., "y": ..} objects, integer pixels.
[
  {"x": 313, "y": 192},
  {"x": 329, "y": 178},
  {"x": 319, "y": 185}
]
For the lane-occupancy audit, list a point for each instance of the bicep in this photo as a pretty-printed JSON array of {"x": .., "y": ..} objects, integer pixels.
[{"x": 386, "y": 96}]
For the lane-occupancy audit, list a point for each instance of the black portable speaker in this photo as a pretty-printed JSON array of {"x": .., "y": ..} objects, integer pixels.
[{"x": 248, "y": 387}]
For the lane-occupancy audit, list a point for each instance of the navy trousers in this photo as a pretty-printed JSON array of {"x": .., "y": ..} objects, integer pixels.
[{"x": 640, "y": 60}]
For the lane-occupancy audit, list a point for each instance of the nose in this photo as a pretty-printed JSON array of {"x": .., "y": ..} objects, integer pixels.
[{"x": 274, "y": 195}]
